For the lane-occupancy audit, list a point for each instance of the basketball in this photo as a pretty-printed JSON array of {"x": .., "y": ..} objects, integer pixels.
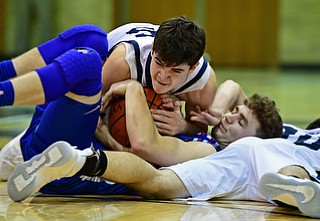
[{"x": 117, "y": 116}]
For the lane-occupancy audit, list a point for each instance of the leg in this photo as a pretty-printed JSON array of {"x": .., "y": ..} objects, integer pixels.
[
  {"x": 292, "y": 186},
  {"x": 72, "y": 117},
  {"x": 79, "y": 36},
  {"x": 64, "y": 74},
  {"x": 60, "y": 160}
]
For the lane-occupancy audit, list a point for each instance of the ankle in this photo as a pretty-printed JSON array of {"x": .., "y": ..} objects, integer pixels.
[{"x": 95, "y": 165}]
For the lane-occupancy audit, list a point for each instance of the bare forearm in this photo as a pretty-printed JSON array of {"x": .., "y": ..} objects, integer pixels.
[
  {"x": 140, "y": 125},
  {"x": 229, "y": 95}
]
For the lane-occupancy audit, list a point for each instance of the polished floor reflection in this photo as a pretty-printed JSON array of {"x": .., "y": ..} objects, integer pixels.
[{"x": 45, "y": 207}]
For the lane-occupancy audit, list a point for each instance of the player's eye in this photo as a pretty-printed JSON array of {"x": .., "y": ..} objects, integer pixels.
[
  {"x": 178, "y": 71},
  {"x": 158, "y": 62}
]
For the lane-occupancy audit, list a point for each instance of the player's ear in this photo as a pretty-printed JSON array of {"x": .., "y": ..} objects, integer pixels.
[{"x": 193, "y": 67}]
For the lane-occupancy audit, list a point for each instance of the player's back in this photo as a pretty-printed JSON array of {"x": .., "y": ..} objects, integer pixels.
[
  {"x": 298, "y": 136},
  {"x": 143, "y": 33}
]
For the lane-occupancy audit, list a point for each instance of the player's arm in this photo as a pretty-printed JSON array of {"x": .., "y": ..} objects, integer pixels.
[
  {"x": 228, "y": 96},
  {"x": 145, "y": 139},
  {"x": 115, "y": 68},
  {"x": 199, "y": 99}
]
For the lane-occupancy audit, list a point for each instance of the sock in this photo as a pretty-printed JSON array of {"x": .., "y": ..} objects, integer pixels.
[
  {"x": 7, "y": 70},
  {"x": 6, "y": 93},
  {"x": 95, "y": 165}
]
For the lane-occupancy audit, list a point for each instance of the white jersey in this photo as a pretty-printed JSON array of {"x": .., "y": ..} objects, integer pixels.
[
  {"x": 138, "y": 39},
  {"x": 298, "y": 136},
  {"x": 234, "y": 172}
]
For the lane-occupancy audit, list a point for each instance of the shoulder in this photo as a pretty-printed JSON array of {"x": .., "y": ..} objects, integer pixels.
[{"x": 202, "y": 97}]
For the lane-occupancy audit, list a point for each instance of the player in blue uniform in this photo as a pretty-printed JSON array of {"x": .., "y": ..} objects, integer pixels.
[
  {"x": 166, "y": 57},
  {"x": 69, "y": 89},
  {"x": 73, "y": 118}
]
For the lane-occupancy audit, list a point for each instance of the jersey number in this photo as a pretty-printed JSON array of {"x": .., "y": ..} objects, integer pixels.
[
  {"x": 304, "y": 139},
  {"x": 142, "y": 32}
]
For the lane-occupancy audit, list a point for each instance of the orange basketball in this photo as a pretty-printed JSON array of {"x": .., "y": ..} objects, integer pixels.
[{"x": 117, "y": 115}]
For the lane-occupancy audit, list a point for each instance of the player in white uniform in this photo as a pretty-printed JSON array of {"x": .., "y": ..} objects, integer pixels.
[
  {"x": 168, "y": 58},
  {"x": 138, "y": 40},
  {"x": 246, "y": 170},
  {"x": 304, "y": 137},
  {"x": 130, "y": 46}
]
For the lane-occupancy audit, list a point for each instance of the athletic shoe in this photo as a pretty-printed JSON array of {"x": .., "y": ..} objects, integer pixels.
[
  {"x": 301, "y": 193},
  {"x": 57, "y": 161},
  {"x": 10, "y": 156}
]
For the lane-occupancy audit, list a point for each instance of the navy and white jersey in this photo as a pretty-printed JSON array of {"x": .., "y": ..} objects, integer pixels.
[
  {"x": 138, "y": 39},
  {"x": 302, "y": 137},
  {"x": 235, "y": 172}
]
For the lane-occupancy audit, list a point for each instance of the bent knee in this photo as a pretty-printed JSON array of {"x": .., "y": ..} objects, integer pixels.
[
  {"x": 88, "y": 35},
  {"x": 82, "y": 69}
]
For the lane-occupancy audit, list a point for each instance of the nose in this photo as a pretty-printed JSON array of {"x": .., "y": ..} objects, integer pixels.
[
  {"x": 230, "y": 118},
  {"x": 163, "y": 74}
]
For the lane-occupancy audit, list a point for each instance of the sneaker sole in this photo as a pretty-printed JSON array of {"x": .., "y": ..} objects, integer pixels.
[
  {"x": 31, "y": 175},
  {"x": 305, "y": 193}
]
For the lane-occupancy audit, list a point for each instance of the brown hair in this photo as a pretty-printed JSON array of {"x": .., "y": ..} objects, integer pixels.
[
  {"x": 179, "y": 41},
  {"x": 267, "y": 114}
]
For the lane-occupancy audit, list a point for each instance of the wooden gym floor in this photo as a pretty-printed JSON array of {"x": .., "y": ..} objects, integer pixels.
[
  {"x": 41, "y": 207},
  {"x": 297, "y": 96}
]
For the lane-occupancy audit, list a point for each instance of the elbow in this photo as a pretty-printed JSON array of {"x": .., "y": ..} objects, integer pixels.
[
  {"x": 139, "y": 145},
  {"x": 232, "y": 84}
]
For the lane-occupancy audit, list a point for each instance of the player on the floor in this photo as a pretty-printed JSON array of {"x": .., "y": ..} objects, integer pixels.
[
  {"x": 70, "y": 87},
  {"x": 254, "y": 116},
  {"x": 73, "y": 116},
  {"x": 249, "y": 169}
]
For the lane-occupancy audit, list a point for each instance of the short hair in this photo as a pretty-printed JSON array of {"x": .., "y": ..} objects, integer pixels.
[
  {"x": 266, "y": 112},
  {"x": 314, "y": 124},
  {"x": 179, "y": 41}
]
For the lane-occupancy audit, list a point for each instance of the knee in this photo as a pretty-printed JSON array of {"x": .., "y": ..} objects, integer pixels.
[
  {"x": 82, "y": 70},
  {"x": 88, "y": 35}
]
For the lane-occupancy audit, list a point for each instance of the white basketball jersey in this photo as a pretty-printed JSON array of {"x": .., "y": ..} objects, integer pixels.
[
  {"x": 302, "y": 137},
  {"x": 138, "y": 39}
]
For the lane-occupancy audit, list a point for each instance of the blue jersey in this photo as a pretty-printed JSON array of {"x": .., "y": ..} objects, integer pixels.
[{"x": 200, "y": 137}]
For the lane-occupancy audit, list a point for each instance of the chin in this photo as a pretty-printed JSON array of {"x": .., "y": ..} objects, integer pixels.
[{"x": 159, "y": 89}]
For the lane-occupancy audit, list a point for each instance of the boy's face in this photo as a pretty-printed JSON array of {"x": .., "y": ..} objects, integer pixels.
[
  {"x": 164, "y": 79},
  {"x": 241, "y": 122}
]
